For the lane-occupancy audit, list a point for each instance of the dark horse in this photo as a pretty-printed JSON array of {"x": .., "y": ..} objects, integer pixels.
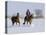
[
  {"x": 28, "y": 19},
  {"x": 15, "y": 19}
]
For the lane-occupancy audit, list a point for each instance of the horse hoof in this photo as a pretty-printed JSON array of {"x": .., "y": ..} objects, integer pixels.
[{"x": 23, "y": 23}]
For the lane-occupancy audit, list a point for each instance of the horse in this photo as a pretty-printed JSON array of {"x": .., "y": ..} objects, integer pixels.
[
  {"x": 15, "y": 19},
  {"x": 28, "y": 19}
]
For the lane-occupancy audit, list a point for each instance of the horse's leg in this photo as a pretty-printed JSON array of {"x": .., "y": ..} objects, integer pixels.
[
  {"x": 19, "y": 22},
  {"x": 12, "y": 23},
  {"x": 16, "y": 23},
  {"x": 27, "y": 22},
  {"x": 30, "y": 21},
  {"x": 24, "y": 21}
]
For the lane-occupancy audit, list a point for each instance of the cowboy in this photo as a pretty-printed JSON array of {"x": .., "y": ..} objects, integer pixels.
[{"x": 28, "y": 12}]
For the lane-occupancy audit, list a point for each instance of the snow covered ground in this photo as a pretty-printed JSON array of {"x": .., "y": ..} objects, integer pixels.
[{"x": 38, "y": 25}]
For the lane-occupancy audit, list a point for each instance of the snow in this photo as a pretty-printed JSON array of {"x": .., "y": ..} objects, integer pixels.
[{"x": 37, "y": 25}]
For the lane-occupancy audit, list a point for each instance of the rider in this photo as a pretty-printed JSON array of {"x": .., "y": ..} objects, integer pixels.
[{"x": 28, "y": 12}]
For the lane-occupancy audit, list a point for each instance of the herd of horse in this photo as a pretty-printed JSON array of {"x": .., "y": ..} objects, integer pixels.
[{"x": 26, "y": 19}]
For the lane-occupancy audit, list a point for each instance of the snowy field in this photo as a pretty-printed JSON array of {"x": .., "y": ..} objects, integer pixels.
[{"x": 38, "y": 25}]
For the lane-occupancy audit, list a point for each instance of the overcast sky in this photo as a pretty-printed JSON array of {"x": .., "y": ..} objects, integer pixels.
[{"x": 21, "y": 7}]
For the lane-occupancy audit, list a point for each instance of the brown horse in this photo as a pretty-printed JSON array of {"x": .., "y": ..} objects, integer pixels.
[
  {"x": 15, "y": 19},
  {"x": 28, "y": 19}
]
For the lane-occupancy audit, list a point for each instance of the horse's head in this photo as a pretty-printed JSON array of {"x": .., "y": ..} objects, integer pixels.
[{"x": 31, "y": 15}]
